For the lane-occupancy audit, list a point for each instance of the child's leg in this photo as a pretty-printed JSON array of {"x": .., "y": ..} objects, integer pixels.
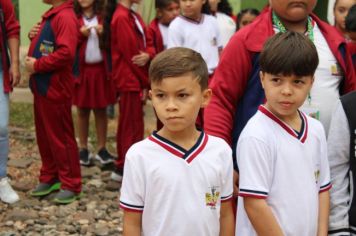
[
  {"x": 83, "y": 126},
  {"x": 4, "y": 131},
  {"x": 101, "y": 124},
  {"x": 48, "y": 172},
  {"x": 131, "y": 124},
  {"x": 56, "y": 120}
]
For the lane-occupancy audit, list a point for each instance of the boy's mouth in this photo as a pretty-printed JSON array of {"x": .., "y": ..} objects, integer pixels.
[{"x": 298, "y": 4}]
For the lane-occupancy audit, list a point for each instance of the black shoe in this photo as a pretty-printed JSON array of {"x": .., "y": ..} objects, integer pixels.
[
  {"x": 84, "y": 156},
  {"x": 117, "y": 175},
  {"x": 104, "y": 156}
]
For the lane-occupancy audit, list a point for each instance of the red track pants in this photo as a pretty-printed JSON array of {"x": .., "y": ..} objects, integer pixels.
[
  {"x": 131, "y": 125},
  {"x": 56, "y": 143}
]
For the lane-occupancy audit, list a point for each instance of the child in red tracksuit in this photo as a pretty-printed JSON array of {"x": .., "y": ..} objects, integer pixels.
[
  {"x": 50, "y": 59},
  {"x": 93, "y": 90},
  {"x": 167, "y": 10},
  {"x": 131, "y": 51}
]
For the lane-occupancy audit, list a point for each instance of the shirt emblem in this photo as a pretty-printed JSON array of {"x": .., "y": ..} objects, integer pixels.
[{"x": 212, "y": 197}]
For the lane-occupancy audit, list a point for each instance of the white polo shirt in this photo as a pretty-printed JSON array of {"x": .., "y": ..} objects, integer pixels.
[
  {"x": 202, "y": 36},
  {"x": 286, "y": 168},
  {"x": 179, "y": 192}
]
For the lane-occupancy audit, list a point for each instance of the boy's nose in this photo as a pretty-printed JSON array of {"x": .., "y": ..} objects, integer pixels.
[
  {"x": 171, "y": 105},
  {"x": 287, "y": 90}
]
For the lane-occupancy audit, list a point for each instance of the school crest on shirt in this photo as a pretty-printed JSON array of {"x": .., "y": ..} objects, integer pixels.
[
  {"x": 336, "y": 70},
  {"x": 214, "y": 41},
  {"x": 46, "y": 47},
  {"x": 212, "y": 197},
  {"x": 317, "y": 175}
]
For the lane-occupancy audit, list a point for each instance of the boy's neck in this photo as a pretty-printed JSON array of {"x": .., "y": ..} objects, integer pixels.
[
  {"x": 185, "y": 139},
  {"x": 126, "y": 3},
  {"x": 196, "y": 18},
  {"x": 299, "y": 26},
  {"x": 57, "y": 3}
]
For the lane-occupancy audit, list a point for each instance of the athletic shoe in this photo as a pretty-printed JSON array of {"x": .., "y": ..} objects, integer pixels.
[
  {"x": 66, "y": 197},
  {"x": 44, "y": 189},
  {"x": 7, "y": 194},
  {"x": 117, "y": 175},
  {"x": 104, "y": 156},
  {"x": 84, "y": 157}
]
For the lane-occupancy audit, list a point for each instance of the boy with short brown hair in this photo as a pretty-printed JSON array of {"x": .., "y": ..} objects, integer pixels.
[
  {"x": 179, "y": 176},
  {"x": 281, "y": 153}
]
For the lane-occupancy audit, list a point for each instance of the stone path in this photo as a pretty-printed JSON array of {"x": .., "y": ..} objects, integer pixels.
[{"x": 96, "y": 213}]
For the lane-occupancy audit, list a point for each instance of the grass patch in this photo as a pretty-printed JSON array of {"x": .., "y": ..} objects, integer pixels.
[{"x": 21, "y": 115}]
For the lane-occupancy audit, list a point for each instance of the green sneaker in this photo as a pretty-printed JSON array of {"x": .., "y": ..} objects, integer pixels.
[
  {"x": 66, "y": 197},
  {"x": 44, "y": 189}
]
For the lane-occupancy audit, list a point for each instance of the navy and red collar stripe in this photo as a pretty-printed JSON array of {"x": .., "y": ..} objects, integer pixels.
[
  {"x": 192, "y": 20},
  {"x": 302, "y": 136},
  {"x": 187, "y": 155}
]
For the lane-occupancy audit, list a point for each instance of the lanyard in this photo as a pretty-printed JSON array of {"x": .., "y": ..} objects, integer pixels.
[{"x": 277, "y": 22}]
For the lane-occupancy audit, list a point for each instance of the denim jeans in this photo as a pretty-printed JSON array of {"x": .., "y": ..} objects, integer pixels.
[{"x": 4, "y": 131}]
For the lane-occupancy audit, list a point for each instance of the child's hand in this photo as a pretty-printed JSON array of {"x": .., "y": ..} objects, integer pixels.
[
  {"x": 34, "y": 31},
  {"x": 144, "y": 96},
  {"x": 99, "y": 29},
  {"x": 85, "y": 31},
  {"x": 141, "y": 59},
  {"x": 14, "y": 74},
  {"x": 30, "y": 64}
]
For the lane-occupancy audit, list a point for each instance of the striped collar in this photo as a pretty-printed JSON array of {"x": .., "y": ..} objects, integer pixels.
[
  {"x": 187, "y": 155},
  {"x": 192, "y": 20},
  {"x": 301, "y": 136}
]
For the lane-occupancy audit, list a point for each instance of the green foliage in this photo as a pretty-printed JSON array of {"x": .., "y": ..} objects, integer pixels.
[{"x": 16, "y": 5}]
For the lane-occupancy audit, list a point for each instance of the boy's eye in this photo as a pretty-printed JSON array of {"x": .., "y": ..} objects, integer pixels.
[
  {"x": 159, "y": 95},
  {"x": 299, "y": 82},
  {"x": 275, "y": 80},
  {"x": 183, "y": 95}
]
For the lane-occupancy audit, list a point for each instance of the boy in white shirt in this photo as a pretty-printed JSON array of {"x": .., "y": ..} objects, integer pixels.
[
  {"x": 178, "y": 181},
  {"x": 281, "y": 153}
]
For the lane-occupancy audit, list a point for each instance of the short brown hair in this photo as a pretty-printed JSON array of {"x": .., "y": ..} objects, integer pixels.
[
  {"x": 161, "y": 4},
  {"x": 289, "y": 53},
  {"x": 178, "y": 61}
]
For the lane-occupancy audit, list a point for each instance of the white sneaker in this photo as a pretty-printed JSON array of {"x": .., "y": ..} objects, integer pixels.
[
  {"x": 7, "y": 194},
  {"x": 116, "y": 175}
]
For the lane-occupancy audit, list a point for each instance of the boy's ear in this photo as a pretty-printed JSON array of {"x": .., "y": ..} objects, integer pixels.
[
  {"x": 150, "y": 94},
  {"x": 262, "y": 75},
  {"x": 207, "y": 94},
  {"x": 158, "y": 13}
]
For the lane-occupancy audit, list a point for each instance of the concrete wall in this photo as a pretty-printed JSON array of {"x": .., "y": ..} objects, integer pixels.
[{"x": 30, "y": 13}]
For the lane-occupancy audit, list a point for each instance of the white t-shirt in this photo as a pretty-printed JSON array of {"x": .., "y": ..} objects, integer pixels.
[
  {"x": 92, "y": 52},
  {"x": 179, "y": 192},
  {"x": 227, "y": 27},
  {"x": 286, "y": 168},
  {"x": 164, "y": 32},
  {"x": 203, "y": 37}
]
